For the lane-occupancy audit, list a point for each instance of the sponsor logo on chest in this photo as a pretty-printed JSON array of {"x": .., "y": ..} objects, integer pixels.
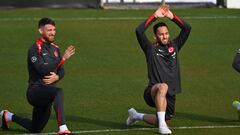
[{"x": 169, "y": 52}]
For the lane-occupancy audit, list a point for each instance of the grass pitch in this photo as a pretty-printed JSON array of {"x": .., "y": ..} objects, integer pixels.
[{"x": 108, "y": 73}]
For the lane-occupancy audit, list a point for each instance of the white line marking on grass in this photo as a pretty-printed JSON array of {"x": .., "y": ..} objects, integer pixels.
[
  {"x": 140, "y": 129},
  {"x": 117, "y": 18},
  {"x": 207, "y": 127}
]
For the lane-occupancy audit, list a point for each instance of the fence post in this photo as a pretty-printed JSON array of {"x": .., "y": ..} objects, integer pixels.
[
  {"x": 163, "y": 1},
  {"x": 220, "y": 3},
  {"x": 101, "y": 3}
]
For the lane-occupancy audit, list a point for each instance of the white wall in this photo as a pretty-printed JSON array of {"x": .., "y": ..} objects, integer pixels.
[
  {"x": 213, "y": 1},
  {"x": 233, "y": 3}
]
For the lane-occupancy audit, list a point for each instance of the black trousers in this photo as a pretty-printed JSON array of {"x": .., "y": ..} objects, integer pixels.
[{"x": 41, "y": 97}]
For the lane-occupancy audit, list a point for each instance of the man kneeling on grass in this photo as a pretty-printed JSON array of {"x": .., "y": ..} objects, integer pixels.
[
  {"x": 163, "y": 68},
  {"x": 45, "y": 67}
]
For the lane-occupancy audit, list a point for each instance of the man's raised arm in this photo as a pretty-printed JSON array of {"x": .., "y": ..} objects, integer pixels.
[
  {"x": 185, "y": 30},
  {"x": 140, "y": 30}
]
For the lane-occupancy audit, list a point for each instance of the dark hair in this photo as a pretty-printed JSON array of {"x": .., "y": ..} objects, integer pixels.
[
  {"x": 44, "y": 21},
  {"x": 160, "y": 24}
]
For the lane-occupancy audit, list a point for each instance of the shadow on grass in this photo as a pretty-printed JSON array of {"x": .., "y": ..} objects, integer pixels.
[
  {"x": 204, "y": 118},
  {"x": 199, "y": 117},
  {"x": 179, "y": 115},
  {"x": 104, "y": 123},
  {"x": 93, "y": 121},
  {"x": 12, "y": 131}
]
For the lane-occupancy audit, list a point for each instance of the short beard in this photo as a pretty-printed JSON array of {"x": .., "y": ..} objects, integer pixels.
[
  {"x": 162, "y": 42},
  {"x": 48, "y": 40}
]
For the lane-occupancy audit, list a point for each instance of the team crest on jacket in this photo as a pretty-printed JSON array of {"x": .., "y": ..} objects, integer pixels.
[
  {"x": 170, "y": 49},
  {"x": 33, "y": 59},
  {"x": 55, "y": 53}
]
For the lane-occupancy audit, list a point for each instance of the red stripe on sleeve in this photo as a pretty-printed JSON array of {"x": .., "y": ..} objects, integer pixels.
[
  {"x": 58, "y": 117},
  {"x": 179, "y": 20},
  {"x": 39, "y": 45},
  {"x": 149, "y": 20},
  {"x": 61, "y": 62}
]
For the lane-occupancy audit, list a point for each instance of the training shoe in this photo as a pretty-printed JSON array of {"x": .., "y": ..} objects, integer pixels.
[
  {"x": 164, "y": 130},
  {"x": 3, "y": 120},
  {"x": 131, "y": 117},
  {"x": 66, "y": 132},
  {"x": 236, "y": 105}
]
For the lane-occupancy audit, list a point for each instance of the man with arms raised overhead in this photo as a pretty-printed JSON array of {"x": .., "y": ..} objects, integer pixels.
[{"x": 163, "y": 68}]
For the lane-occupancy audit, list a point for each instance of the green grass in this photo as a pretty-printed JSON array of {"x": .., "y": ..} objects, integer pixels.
[{"x": 108, "y": 73}]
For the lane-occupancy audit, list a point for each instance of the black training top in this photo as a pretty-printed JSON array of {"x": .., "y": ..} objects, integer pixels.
[
  {"x": 162, "y": 60},
  {"x": 236, "y": 61},
  {"x": 43, "y": 58}
]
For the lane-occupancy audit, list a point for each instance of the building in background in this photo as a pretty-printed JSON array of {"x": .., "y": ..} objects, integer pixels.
[{"x": 154, "y": 3}]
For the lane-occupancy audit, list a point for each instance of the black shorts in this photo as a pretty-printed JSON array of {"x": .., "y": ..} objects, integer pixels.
[{"x": 171, "y": 99}]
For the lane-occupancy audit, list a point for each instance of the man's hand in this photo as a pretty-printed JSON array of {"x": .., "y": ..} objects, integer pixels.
[
  {"x": 164, "y": 11},
  {"x": 169, "y": 14},
  {"x": 69, "y": 52},
  {"x": 161, "y": 11},
  {"x": 49, "y": 79}
]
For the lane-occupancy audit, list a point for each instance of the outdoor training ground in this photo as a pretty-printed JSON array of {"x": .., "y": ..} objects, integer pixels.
[{"x": 107, "y": 75}]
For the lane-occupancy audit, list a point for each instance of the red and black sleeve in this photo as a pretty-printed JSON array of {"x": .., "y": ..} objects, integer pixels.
[
  {"x": 60, "y": 68},
  {"x": 185, "y": 31},
  {"x": 140, "y": 32}
]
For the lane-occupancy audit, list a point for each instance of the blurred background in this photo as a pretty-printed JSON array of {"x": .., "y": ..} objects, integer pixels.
[{"x": 116, "y": 3}]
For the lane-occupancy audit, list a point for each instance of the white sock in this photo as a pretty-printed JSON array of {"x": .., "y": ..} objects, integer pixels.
[
  {"x": 63, "y": 128},
  {"x": 161, "y": 118},
  {"x": 9, "y": 116},
  {"x": 139, "y": 116},
  {"x": 238, "y": 106}
]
